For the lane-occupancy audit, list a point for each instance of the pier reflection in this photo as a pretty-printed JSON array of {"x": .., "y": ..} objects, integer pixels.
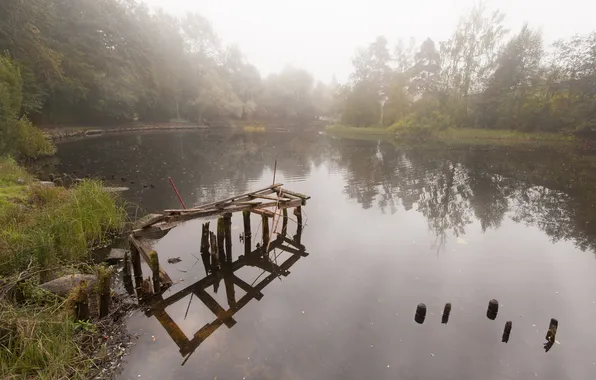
[{"x": 262, "y": 257}]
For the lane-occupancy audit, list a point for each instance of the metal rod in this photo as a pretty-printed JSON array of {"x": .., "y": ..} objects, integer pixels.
[{"x": 177, "y": 193}]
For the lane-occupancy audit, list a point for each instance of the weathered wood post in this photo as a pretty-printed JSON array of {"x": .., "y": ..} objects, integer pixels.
[
  {"x": 228, "y": 235},
  {"x": 493, "y": 309},
  {"x": 446, "y": 312},
  {"x": 135, "y": 257},
  {"x": 265, "y": 222},
  {"x": 420, "y": 313},
  {"x": 103, "y": 282},
  {"x": 205, "y": 256},
  {"x": 126, "y": 276},
  {"x": 154, "y": 263},
  {"x": 506, "y": 332},
  {"x": 214, "y": 252},
  {"x": 81, "y": 302},
  {"x": 221, "y": 232},
  {"x": 298, "y": 214},
  {"x": 284, "y": 226},
  {"x": 247, "y": 232}
]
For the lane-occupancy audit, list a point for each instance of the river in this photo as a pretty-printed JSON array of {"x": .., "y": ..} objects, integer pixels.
[{"x": 387, "y": 228}]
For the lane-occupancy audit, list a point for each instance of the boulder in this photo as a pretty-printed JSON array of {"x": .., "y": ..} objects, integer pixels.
[
  {"x": 116, "y": 255},
  {"x": 63, "y": 285}
]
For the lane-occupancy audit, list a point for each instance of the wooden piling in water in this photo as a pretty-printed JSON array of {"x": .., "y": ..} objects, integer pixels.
[
  {"x": 135, "y": 257},
  {"x": 154, "y": 264},
  {"x": 506, "y": 332},
  {"x": 214, "y": 252},
  {"x": 228, "y": 236},
  {"x": 420, "y": 313},
  {"x": 298, "y": 214},
  {"x": 247, "y": 233},
  {"x": 205, "y": 256},
  {"x": 493, "y": 309},
  {"x": 551, "y": 334},
  {"x": 221, "y": 232},
  {"x": 446, "y": 313},
  {"x": 284, "y": 226},
  {"x": 265, "y": 223}
]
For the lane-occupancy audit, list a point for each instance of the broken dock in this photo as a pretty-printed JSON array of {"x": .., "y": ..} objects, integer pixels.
[{"x": 270, "y": 203}]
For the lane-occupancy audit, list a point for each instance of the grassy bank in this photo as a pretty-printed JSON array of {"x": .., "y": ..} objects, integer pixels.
[
  {"x": 47, "y": 232},
  {"x": 472, "y": 135}
]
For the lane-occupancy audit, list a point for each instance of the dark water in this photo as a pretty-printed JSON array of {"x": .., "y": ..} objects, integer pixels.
[{"x": 387, "y": 228}]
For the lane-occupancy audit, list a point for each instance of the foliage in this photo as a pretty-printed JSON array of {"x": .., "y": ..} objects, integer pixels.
[
  {"x": 17, "y": 134},
  {"x": 115, "y": 60},
  {"x": 475, "y": 79}
]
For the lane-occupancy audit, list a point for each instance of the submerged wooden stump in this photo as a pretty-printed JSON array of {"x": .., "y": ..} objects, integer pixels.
[
  {"x": 493, "y": 309},
  {"x": 506, "y": 332},
  {"x": 205, "y": 255},
  {"x": 284, "y": 227},
  {"x": 420, "y": 313},
  {"x": 446, "y": 313}
]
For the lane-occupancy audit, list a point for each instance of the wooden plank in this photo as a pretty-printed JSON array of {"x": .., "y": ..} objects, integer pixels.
[
  {"x": 267, "y": 213},
  {"x": 286, "y": 191},
  {"x": 144, "y": 250},
  {"x": 235, "y": 197},
  {"x": 281, "y": 199},
  {"x": 193, "y": 214}
]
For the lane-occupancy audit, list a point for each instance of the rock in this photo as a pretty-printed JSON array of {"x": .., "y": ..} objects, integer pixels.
[
  {"x": 20, "y": 181},
  {"x": 47, "y": 183},
  {"x": 115, "y": 255},
  {"x": 63, "y": 285}
]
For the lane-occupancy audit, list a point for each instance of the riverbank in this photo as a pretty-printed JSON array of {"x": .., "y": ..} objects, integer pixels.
[
  {"x": 49, "y": 232},
  {"x": 458, "y": 135}
]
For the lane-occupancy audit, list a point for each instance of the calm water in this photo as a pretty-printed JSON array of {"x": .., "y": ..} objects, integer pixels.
[{"x": 387, "y": 228}]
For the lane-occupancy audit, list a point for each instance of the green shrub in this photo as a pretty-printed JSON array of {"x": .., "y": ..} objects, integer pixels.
[{"x": 31, "y": 142}]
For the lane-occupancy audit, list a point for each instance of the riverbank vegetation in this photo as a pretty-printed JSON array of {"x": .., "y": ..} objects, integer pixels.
[
  {"x": 46, "y": 232},
  {"x": 484, "y": 77}
]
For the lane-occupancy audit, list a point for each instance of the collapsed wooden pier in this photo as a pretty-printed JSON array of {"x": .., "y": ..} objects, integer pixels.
[{"x": 271, "y": 203}]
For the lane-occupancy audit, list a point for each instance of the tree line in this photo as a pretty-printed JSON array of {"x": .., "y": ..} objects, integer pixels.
[
  {"x": 113, "y": 61},
  {"x": 483, "y": 76}
]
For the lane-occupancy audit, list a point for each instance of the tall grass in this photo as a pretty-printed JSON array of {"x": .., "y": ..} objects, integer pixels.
[
  {"x": 40, "y": 342},
  {"x": 47, "y": 225},
  {"x": 57, "y": 225}
]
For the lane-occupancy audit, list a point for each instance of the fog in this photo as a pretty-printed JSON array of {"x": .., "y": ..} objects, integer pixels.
[{"x": 321, "y": 36}]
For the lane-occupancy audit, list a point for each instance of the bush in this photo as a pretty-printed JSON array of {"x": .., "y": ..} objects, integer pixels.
[{"x": 31, "y": 142}]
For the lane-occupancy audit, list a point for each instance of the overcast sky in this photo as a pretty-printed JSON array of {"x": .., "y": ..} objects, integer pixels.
[{"x": 323, "y": 35}]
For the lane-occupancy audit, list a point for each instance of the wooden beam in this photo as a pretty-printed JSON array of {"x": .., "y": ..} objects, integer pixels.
[
  {"x": 281, "y": 199},
  {"x": 144, "y": 250},
  {"x": 235, "y": 197}
]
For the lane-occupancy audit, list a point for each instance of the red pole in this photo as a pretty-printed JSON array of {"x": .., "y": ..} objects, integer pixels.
[
  {"x": 177, "y": 193},
  {"x": 274, "y": 171}
]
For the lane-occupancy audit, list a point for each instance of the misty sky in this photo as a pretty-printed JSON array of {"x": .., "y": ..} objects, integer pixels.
[{"x": 323, "y": 35}]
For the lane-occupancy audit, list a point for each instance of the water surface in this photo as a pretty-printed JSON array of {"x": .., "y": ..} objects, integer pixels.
[{"x": 386, "y": 228}]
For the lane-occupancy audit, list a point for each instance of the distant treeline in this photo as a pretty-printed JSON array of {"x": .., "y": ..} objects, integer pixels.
[
  {"x": 113, "y": 61},
  {"x": 483, "y": 76}
]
